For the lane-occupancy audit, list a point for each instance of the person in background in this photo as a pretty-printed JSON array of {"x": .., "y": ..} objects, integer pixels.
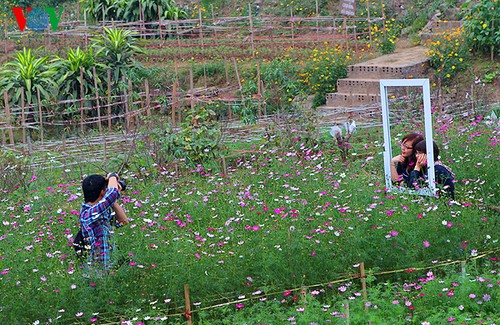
[
  {"x": 444, "y": 177},
  {"x": 403, "y": 164},
  {"x": 97, "y": 220}
]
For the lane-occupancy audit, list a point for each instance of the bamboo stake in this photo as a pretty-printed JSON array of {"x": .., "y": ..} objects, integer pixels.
[
  {"x": 7, "y": 112},
  {"x": 131, "y": 105},
  {"x": 259, "y": 91},
  {"x": 369, "y": 23},
  {"x": 174, "y": 101},
  {"x": 97, "y": 101},
  {"x": 148, "y": 102},
  {"x": 23, "y": 117},
  {"x": 125, "y": 101},
  {"x": 345, "y": 34},
  {"x": 291, "y": 19},
  {"x": 109, "y": 99},
  {"x": 363, "y": 283},
  {"x": 191, "y": 87},
  {"x": 227, "y": 72},
  {"x": 201, "y": 25},
  {"x": 213, "y": 19},
  {"x": 346, "y": 312},
  {"x": 188, "y": 304},
  {"x": 40, "y": 114},
  {"x": 159, "y": 21},
  {"x": 81, "y": 100},
  {"x": 251, "y": 28},
  {"x": 317, "y": 15}
]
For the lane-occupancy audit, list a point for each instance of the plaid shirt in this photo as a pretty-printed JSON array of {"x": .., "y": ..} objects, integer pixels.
[{"x": 96, "y": 224}]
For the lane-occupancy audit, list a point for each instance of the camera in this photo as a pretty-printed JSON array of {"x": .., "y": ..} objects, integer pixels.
[{"x": 123, "y": 185}]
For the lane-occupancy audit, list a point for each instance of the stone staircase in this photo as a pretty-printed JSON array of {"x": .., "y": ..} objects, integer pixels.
[{"x": 362, "y": 85}]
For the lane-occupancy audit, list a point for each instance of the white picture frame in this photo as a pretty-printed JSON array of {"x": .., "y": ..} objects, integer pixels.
[{"x": 429, "y": 190}]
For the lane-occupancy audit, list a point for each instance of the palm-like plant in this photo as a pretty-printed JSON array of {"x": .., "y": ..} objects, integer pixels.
[
  {"x": 70, "y": 82},
  {"x": 100, "y": 9},
  {"x": 29, "y": 73},
  {"x": 174, "y": 13},
  {"x": 131, "y": 10},
  {"x": 116, "y": 50}
]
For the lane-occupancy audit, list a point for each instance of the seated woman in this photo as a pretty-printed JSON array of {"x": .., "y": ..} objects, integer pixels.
[
  {"x": 403, "y": 164},
  {"x": 443, "y": 174}
]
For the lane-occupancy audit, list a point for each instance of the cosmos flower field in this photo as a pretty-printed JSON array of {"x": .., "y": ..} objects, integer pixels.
[{"x": 277, "y": 239}]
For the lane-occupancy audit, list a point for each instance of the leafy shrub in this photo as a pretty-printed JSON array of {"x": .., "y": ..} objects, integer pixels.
[
  {"x": 198, "y": 140},
  {"x": 281, "y": 83},
  {"x": 322, "y": 71},
  {"x": 448, "y": 55},
  {"x": 481, "y": 26}
]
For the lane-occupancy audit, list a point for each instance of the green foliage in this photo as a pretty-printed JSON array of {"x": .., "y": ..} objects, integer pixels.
[
  {"x": 448, "y": 55},
  {"x": 131, "y": 10},
  {"x": 100, "y": 9},
  {"x": 75, "y": 73},
  {"x": 255, "y": 235},
  {"x": 281, "y": 83},
  {"x": 31, "y": 74},
  {"x": 322, "y": 71},
  {"x": 247, "y": 110},
  {"x": 198, "y": 140},
  {"x": 481, "y": 26},
  {"x": 115, "y": 49}
]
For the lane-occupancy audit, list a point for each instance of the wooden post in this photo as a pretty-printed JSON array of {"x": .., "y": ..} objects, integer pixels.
[
  {"x": 251, "y": 28},
  {"x": 201, "y": 25},
  {"x": 346, "y": 313},
  {"x": 109, "y": 99},
  {"x": 291, "y": 18},
  {"x": 303, "y": 294},
  {"x": 7, "y": 112},
  {"x": 237, "y": 75},
  {"x": 213, "y": 19},
  {"x": 227, "y": 72},
  {"x": 191, "y": 87},
  {"x": 97, "y": 101},
  {"x": 174, "y": 101},
  {"x": 363, "y": 283},
  {"x": 159, "y": 21},
  {"x": 464, "y": 273},
  {"x": 148, "y": 102},
  {"x": 383, "y": 17},
  {"x": 130, "y": 100},
  {"x": 23, "y": 117},
  {"x": 369, "y": 23},
  {"x": 82, "y": 99},
  {"x": 259, "y": 90},
  {"x": 317, "y": 17},
  {"x": 40, "y": 115},
  {"x": 188, "y": 304},
  {"x": 345, "y": 34},
  {"x": 125, "y": 101}
]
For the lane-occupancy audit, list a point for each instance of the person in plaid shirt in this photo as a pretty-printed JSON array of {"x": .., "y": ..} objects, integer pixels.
[{"x": 96, "y": 218}]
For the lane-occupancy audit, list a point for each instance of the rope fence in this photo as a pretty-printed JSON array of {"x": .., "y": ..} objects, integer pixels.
[{"x": 362, "y": 275}]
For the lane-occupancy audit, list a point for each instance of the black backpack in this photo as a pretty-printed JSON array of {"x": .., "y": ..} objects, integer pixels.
[{"x": 81, "y": 245}]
